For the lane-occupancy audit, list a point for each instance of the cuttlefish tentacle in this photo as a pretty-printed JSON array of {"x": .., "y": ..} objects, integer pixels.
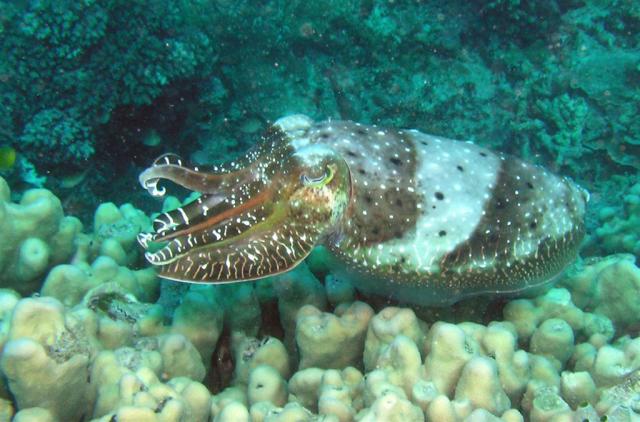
[
  {"x": 214, "y": 232},
  {"x": 268, "y": 253},
  {"x": 215, "y": 179},
  {"x": 170, "y": 167}
]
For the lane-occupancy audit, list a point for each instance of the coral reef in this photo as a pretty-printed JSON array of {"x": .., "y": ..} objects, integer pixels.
[
  {"x": 102, "y": 342},
  {"x": 91, "y": 90},
  {"x": 70, "y": 65},
  {"x": 36, "y": 235},
  {"x": 60, "y": 136},
  {"x": 619, "y": 225}
]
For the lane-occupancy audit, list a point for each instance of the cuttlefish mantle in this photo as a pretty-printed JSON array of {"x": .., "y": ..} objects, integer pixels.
[{"x": 416, "y": 217}]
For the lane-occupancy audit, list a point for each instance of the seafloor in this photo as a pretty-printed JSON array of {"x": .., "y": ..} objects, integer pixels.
[{"x": 92, "y": 91}]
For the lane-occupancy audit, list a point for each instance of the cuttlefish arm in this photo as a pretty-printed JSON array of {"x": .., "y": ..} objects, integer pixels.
[
  {"x": 214, "y": 180},
  {"x": 205, "y": 211},
  {"x": 251, "y": 255},
  {"x": 264, "y": 225},
  {"x": 171, "y": 167},
  {"x": 214, "y": 183}
]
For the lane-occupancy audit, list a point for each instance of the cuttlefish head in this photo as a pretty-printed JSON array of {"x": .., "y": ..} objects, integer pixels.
[{"x": 255, "y": 218}]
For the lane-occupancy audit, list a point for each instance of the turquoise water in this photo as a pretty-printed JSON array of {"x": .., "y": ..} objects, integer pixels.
[{"x": 93, "y": 91}]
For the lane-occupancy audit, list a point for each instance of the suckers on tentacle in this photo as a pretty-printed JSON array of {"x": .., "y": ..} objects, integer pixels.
[{"x": 411, "y": 216}]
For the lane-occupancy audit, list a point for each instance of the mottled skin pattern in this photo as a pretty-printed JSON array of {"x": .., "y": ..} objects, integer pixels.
[{"x": 407, "y": 215}]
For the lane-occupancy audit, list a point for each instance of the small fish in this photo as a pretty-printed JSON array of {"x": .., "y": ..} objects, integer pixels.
[
  {"x": 7, "y": 158},
  {"x": 410, "y": 216}
]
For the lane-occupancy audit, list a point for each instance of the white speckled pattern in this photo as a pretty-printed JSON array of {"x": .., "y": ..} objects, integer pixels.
[
  {"x": 480, "y": 221},
  {"x": 456, "y": 184}
]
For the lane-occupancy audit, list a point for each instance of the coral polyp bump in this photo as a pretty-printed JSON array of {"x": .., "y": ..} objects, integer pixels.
[{"x": 407, "y": 215}]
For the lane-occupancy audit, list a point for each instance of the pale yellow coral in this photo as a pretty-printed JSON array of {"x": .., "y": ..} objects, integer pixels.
[
  {"x": 326, "y": 340},
  {"x": 266, "y": 384},
  {"x": 36, "y": 235},
  {"x": 448, "y": 353},
  {"x": 479, "y": 383},
  {"x": 250, "y": 352},
  {"x": 384, "y": 328}
]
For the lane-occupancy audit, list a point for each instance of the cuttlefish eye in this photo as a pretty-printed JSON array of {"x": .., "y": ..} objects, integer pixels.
[{"x": 318, "y": 181}]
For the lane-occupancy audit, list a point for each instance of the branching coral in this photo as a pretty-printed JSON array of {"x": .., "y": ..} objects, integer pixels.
[
  {"x": 59, "y": 138},
  {"x": 567, "y": 130},
  {"x": 70, "y": 64},
  {"x": 524, "y": 20}
]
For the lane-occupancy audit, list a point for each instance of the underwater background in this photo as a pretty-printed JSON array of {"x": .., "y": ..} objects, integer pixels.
[{"x": 92, "y": 91}]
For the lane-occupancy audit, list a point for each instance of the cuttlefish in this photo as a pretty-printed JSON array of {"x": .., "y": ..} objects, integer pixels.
[{"x": 404, "y": 214}]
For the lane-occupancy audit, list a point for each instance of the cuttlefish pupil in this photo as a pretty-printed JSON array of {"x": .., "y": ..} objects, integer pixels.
[{"x": 412, "y": 216}]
